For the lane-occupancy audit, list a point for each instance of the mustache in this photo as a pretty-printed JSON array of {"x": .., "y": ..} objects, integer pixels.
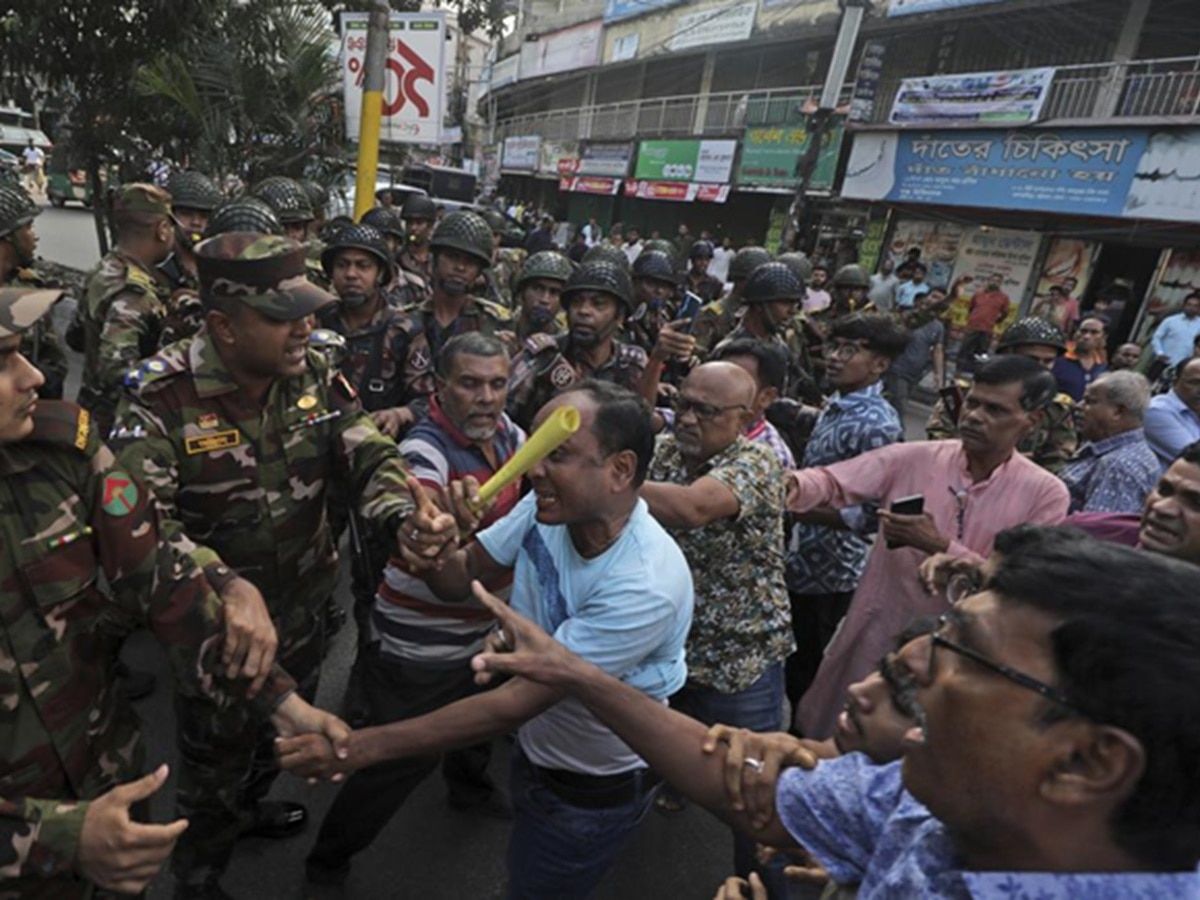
[{"x": 902, "y": 685}]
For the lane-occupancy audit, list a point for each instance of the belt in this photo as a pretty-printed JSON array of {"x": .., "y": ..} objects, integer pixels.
[{"x": 598, "y": 791}]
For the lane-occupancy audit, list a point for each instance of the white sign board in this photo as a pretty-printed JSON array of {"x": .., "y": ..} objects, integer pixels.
[
  {"x": 714, "y": 26},
  {"x": 561, "y": 51},
  {"x": 984, "y": 99},
  {"x": 415, "y": 86},
  {"x": 714, "y": 162},
  {"x": 521, "y": 153}
]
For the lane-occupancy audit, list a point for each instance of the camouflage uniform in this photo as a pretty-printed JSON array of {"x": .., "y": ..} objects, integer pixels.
[
  {"x": 503, "y": 274},
  {"x": 72, "y": 516},
  {"x": 249, "y": 487},
  {"x": 374, "y": 356},
  {"x": 184, "y": 314},
  {"x": 715, "y": 322},
  {"x": 41, "y": 344},
  {"x": 556, "y": 327},
  {"x": 801, "y": 384},
  {"x": 423, "y": 270},
  {"x": 405, "y": 289},
  {"x": 1050, "y": 445},
  {"x": 536, "y": 378}
]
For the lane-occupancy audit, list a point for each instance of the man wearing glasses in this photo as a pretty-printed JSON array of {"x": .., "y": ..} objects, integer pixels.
[
  {"x": 721, "y": 496},
  {"x": 1053, "y": 753}
]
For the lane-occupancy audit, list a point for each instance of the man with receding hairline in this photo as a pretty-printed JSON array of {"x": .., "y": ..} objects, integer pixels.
[{"x": 721, "y": 496}]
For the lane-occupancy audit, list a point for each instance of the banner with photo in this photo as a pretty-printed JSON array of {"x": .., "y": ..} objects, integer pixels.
[
  {"x": 1178, "y": 278},
  {"x": 1000, "y": 257},
  {"x": 973, "y": 98},
  {"x": 933, "y": 243},
  {"x": 1068, "y": 265}
]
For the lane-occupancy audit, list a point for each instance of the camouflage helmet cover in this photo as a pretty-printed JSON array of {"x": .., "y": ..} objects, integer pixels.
[
  {"x": 244, "y": 214},
  {"x": 287, "y": 197},
  {"x": 22, "y": 308},
  {"x": 360, "y": 237},
  {"x": 16, "y": 209},
  {"x": 467, "y": 232},
  {"x": 548, "y": 264},
  {"x": 266, "y": 272},
  {"x": 606, "y": 277}
]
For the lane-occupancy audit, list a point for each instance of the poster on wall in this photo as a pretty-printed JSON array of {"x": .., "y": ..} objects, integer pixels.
[
  {"x": 770, "y": 156},
  {"x": 1180, "y": 277},
  {"x": 933, "y": 243},
  {"x": 997, "y": 257},
  {"x": 973, "y": 98},
  {"x": 1068, "y": 265}
]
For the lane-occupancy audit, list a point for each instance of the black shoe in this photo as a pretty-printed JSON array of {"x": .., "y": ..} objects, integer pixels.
[
  {"x": 496, "y": 806},
  {"x": 135, "y": 685},
  {"x": 277, "y": 819},
  {"x": 319, "y": 873},
  {"x": 335, "y": 619}
]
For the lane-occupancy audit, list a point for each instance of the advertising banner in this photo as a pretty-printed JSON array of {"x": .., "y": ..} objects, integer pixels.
[
  {"x": 974, "y": 98},
  {"x": 577, "y": 47},
  {"x": 558, "y": 158},
  {"x": 1178, "y": 278},
  {"x": 521, "y": 153},
  {"x": 866, "y": 82},
  {"x": 707, "y": 161},
  {"x": 913, "y": 7},
  {"x": 616, "y": 10},
  {"x": 609, "y": 160},
  {"x": 1077, "y": 171},
  {"x": 680, "y": 191},
  {"x": 933, "y": 243},
  {"x": 714, "y": 26},
  {"x": 997, "y": 256},
  {"x": 770, "y": 156},
  {"x": 1068, "y": 265},
  {"x": 415, "y": 86},
  {"x": 586, "y": 184}
]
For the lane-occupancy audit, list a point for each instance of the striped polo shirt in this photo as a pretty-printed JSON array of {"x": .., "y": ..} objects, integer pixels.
[{"x": 409, "y": 620}]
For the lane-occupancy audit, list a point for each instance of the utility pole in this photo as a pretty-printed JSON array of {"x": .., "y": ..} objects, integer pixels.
[
  {"x": 374, "y": 78},
  {"x": 853, "y": 13}
]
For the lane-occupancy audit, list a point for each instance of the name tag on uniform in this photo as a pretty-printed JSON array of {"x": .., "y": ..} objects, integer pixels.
[{"x": 207, "y": 443}]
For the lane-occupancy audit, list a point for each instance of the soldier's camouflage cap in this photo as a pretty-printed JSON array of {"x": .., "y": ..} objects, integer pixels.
[
  {"x": 266, "y": 272},
  {"x": 22, "y": 308},
  {"x": 143, "y": 198}
]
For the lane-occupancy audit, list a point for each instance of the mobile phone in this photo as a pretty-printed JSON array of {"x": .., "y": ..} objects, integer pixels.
[
  {"x": 690, "y": 307},
  {"x": 907, "y": 506}
]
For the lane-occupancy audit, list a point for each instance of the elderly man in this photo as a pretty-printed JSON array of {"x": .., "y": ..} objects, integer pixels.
[
  {"x": 970, "y": 489},
  {"x": 1115, "y": 469},
  {"x": 1173, "y": 419},
  {"x": 591, "y": 565},
  {"x": 721, "y": 496},
  {"x": 1056, "y": 707}
]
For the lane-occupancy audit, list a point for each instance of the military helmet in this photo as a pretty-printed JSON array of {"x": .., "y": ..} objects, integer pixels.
[
  {"x": 287, "y": 197},
  {"x": 418, "y": 206},
  {"x": 465, "y": 231},
  {"x": 1031, "y": 330},
  {"x": 246, "y": 213},
  {"x": 329, "y": 231},
  {"x": 660, "y": 244},
  {"x": 363, "y": 237},
  {"x": 318, "y": 196},
  {"x": 851, "y": 276},
  {"x": 799, "y": 263},
  {"x": 773, "y": 281},
  {"x": 548, "y": 264},
  {"x": 746, "y": 260},
  {"x": 701, "y": 250},
  {"x": 601, "y": 275},
  {"x": 16, "y": 209},
  {"x": 495, "y": 220},
  {"x": 607, "y": 253},
  {"x": 654, "y": 264},
  {"x": 194, "y": 190},
  {"x": 386, "y": 219}
]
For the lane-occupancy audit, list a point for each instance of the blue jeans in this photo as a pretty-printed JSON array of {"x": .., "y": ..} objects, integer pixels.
[
  {"x": 558, "y": 849},
  {"x": 757, "y": 708}
]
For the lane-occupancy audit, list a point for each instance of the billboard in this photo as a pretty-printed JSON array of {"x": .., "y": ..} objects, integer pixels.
[
  {"x": 770, "y": 157},
  {"x": 973, "y": 98},
  {"x": 415, "y": 86},
  {"x": 606, "y": 160},
  {"x": 577, "y": 47},
  {"x": 558, "y": 158},
  {"x": 914, "y": 7},
  {"x": 706, "y": 161},
  {"x": 521, "y": 153},
  {"x": 714, "y": 26},
  {"x": 616, "y": 10},
  {"x": 678, "y": 191}
]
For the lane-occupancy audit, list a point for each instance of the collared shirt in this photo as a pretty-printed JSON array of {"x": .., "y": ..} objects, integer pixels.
[
  {"x": 760, "y": 431},
  {"x": 969, "y": 513},
  {"x": 987, "y": 309},
  {"x": 1170, "y": 426},
  {"x": 743, "y": 621},
  {"x": 908, "y": 291},
  {"x": 1175, "y": 337},
  {"x": 827, "y": 560},
  {"x": 1071, "y": 375},
  {"x": 1113, "y": 475},
  {"x": 860, "y": 823},
  {"x": 410, "y": 621}
]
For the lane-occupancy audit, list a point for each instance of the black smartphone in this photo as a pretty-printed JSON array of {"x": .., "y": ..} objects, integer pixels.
[{"x": 907, "y": 506}]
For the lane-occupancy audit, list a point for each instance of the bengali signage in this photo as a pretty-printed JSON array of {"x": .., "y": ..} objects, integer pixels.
[
  {"x": 973, "y": 98},
  {"x": 558, "y": 158},
  {"x": 521, "y": 153},
  {"x": 714, "y": 26},
  {"x": 770, "y": 157},
  {"x": 577, "y": 47},
  {"x": 608, "y": 160},
  {"x": 997, "y": 256},
  {"x": 914, "y": 7},
  {"x": 678, "y": 191},
  {"x": 702, "y": 161},
  {"x": 866, "y": 82},
  {"x": 1074, "y": 171},
  {"x": 587, "y": 184},
  {"x": 616, "y": 10}
]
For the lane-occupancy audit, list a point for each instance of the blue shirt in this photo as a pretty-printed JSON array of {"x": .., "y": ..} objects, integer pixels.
[
  {"x": 1113, "y": 475},
  {"x": 627, "y": 610},
  {"x": 1073, "y": 378},
  {"x": 826, "y": 560},
  {"x": 907, "y": 293},
  {"x": 1175, "y": 337},
  {"x": 860, "y": 823},
  {"x": 1170, "y": 426}
]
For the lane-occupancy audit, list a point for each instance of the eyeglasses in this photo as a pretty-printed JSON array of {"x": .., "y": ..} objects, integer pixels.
[
  {"x": 704, "y": 411},
  {"x": 937, "y": 639},
  {"x": 844, "y": 349}
]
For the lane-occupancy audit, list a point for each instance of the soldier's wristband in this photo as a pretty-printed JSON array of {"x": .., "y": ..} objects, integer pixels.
[{"x": 220, "y": 576}]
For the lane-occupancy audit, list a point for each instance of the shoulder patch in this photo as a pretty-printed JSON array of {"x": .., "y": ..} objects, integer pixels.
[
  {"x": 120, "y": 493},
  {"x": 63, "y": 424},
  {"x": 139, "y": 280}
]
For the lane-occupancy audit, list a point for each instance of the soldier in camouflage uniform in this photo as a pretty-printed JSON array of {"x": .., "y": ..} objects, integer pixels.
[
  {"x": 697, "y": 280},
  {"x": 318, "y": 199},
  {"x": 194, "y": 197},
  {"x": 460, "y": 249},
  {"x": 419, "y": 214},
  {"x": 598, "y": 298},
  {"x": 126, "y": 300},
  {"x": 18, "y": 242},
  {"x": 654, "y": 286},
  {"x": 539, "y": 295},
  {"x": 1056, "y": 437},
  {"x": 500, "y": 281},
  {"x": 403, "y": 288},
  {"x": 608, "y": 253},
  {"x": 240, "y": 431},
  {"x": 79, "y": 537},
  {"x": 716, "y": 320}
]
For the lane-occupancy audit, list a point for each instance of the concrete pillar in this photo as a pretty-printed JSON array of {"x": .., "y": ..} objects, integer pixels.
[
  {"x": 706, "y": 80},
  {"x": 1109, "y": 95}
]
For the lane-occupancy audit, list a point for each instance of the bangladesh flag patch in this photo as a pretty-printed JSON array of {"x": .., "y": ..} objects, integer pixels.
[{"x": 120, "y": 494}]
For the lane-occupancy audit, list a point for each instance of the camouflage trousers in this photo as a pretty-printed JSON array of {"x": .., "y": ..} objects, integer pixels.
[{"x": 227, "y": 765}]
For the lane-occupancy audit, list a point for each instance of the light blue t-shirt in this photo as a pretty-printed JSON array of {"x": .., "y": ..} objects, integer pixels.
[{"x": 627, "y": 610}]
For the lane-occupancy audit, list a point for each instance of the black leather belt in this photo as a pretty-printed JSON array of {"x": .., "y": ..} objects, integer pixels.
[{"x": 598, "y": 791}]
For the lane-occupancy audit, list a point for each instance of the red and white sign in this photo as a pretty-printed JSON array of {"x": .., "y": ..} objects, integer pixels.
[
  {"x": 588, "y": 184},
  {"x": 678, "y": 191},
  {"x": 415, "y": 87}
]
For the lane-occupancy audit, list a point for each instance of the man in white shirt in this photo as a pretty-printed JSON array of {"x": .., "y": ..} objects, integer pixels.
[
  {"x": 35, "y": 163},
  {"x": 722, "y": 256}
]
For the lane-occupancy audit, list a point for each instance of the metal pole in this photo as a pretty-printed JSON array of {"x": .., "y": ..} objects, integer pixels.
[{"x": 374, "y": 75}]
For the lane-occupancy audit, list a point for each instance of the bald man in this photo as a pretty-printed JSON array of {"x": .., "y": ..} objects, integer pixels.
[{"x": 721, "y": 496}]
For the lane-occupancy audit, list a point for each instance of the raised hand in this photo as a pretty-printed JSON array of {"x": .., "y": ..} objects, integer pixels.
[
  {"x": 521, "y": 648},
  {"x": 429, "y": 534}
]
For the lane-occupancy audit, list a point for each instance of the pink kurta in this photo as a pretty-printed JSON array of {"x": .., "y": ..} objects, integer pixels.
[{"x": 890, "y": 595}]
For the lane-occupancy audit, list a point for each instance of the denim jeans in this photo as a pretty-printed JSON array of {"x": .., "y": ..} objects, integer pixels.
[
  {"x": 757, "y": 708},
  {"x": 558, "y": 849}
]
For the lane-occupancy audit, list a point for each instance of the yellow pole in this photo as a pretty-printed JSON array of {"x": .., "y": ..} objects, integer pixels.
[{"x": 374, "y": 74}]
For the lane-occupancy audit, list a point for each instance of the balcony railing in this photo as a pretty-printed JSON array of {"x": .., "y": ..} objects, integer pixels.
[{"x": 1141, "y": 89}]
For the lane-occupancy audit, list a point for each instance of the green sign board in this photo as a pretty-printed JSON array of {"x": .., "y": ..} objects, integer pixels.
[
  {"x": 770, "y": 155},
  {"x": 870, "y": 249},
  {"x": 699, "y": 161}
]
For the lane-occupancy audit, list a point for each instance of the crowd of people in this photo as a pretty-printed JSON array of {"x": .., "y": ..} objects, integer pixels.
[{"x": 952, "y": 667}]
